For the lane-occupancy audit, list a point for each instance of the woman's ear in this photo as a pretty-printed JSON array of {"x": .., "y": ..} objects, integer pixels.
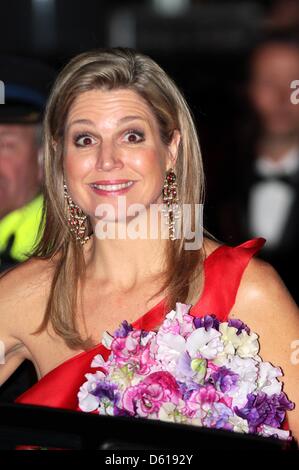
[{"x": 173, "y": 148}]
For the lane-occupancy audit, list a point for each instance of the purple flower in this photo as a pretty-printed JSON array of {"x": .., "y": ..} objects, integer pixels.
[
  {"x": 207, "y": 322},
  {"x": 123, "y": 330},
  {"x": 219, "y": 417},
  {"x": 189, "y": 370},
  {"x": 187, "y": 389},
  {"x": 184, "y": 365},
  {"x": 144, "y": 333},
  {"x": 239, "y": 325},
  {"x": 264, "y": 409},
  {"x": 105, "y": 389},
  {"x": 224, "y": 379},
  {"x": 120, "y": 412}
]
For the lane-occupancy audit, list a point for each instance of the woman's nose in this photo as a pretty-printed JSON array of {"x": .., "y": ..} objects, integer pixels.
[{"x": 108, "y": 157}]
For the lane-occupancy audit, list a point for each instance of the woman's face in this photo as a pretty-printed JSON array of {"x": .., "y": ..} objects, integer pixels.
[{"x": 111, "y": 138}]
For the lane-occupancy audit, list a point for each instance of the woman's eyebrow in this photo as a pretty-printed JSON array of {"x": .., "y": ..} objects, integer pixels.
[
  {"x": 130, "y": 118},
  {"x": 120, "y": 121},
  {"x": 80, "y": 121}
]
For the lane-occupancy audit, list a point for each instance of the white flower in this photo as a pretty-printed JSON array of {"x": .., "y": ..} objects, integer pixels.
[
  {"x": 249, "y": 345},
  {"x": 171, "y": 412},
  {"x": 177, "y": 314},
  {"x": 87, "y": 401},
  {"x": 175, "y": 343},
  {"x": 170, "y": 347},
  {"x": 245, "y": 368},
  {"x": 98, "y": 361},
  {"x": 107, "y": 340},
  {"x": 222, "y": 359},
  {"x": 191, "y": 355},
  {"x": 166, "y": 412},
  {"x": 195, "y": 421},
  {"x": 148, "y": 338},
  {"x": 181, "y": 310},
  {"x": 239, "y": 424},
  {"x": 205, "y": 343},
  {"x": 267, "y": 378},
  {"x": 239, "y": 396},
  {"x": 247, "y": 371},
  {"x": 171, "y": 315},
  {"x": 268, "y": 431},
  {"x": 106, "y": 408},
  {"x": 229, "y": 337}
]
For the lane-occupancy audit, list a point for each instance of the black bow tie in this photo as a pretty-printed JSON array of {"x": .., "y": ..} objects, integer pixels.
[{"x": 283, "y": 178}]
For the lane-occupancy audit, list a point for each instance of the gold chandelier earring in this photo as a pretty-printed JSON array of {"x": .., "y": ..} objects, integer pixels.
[
  {"x": 76, "y": 218},
  {"x": 171, "y": 207}
]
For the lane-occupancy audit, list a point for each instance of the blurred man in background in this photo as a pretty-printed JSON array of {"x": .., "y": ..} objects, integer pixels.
[
  {"x": 27, "y": 84},
  {"x": 264, "y": 200},
  {"x": 273, "y": 192}
]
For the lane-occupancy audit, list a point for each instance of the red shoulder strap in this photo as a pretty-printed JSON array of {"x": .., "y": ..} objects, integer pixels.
[{"x": 222, "y": 276}]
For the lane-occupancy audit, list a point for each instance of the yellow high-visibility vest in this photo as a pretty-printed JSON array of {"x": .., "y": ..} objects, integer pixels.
[{"x": 23, "y": 223}]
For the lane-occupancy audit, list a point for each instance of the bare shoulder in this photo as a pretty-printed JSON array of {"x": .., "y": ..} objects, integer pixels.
[
  {"x": 263, "y": 294},
  {"x": 23, "y": 295},
  {"x": 25, "y": 277},
  {"x": 264, "y": 303},
  {"x": 21, "y": 290}
]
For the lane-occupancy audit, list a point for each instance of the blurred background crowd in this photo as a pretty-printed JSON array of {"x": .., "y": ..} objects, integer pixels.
[{"x": 235, "y": 62}]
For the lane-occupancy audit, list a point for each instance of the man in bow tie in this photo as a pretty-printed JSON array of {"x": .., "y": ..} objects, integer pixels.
[{"x": 264, "y": 195}]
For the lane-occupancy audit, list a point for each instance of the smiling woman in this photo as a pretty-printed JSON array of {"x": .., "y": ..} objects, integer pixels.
[
  {"x": 116, "y": 126},
  {"x": 119, "y": 136}
]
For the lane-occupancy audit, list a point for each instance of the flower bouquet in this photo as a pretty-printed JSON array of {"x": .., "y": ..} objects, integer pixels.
[{"x": 197, "y": 371}]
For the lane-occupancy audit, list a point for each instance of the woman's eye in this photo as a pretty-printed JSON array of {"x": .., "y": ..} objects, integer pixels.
[
  {"x": 134, "y": 137},
  {"x": 83, "y": 140}
]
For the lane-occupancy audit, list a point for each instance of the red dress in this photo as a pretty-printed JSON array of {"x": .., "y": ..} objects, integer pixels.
[{"x": 223, "y": 270}]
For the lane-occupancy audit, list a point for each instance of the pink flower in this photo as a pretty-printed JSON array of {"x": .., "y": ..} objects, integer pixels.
[
  {"x": 147, "y": 397},
  {"x": 123, "y": 348},
  {"x": 184, "y": 371},
  {"x": 202, "y": 396},
  {"x": 226, "y": 400},
  {"x": 146, "y": 361},
  {"x": 118, "y": 347},
  {"x": 187, "y": 326},
  {"x": 130, "y": 351},
  {"x": 182, "y": 325},
  {"x": 213, "y": 367},
  {"x": 170, "y": 326}
]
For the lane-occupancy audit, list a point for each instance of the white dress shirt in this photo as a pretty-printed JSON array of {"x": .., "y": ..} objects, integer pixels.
[{"x": 270, "y": 201}]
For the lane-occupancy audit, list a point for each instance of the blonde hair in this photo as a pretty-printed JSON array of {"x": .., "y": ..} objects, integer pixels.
[{"x": 111, "y": 69}]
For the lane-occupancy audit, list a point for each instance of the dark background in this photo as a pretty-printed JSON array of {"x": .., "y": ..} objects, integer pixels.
[{"x": 203, "y": 46}]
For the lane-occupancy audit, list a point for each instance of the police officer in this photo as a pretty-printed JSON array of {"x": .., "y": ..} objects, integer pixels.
[{"x": 26, "y": 86}]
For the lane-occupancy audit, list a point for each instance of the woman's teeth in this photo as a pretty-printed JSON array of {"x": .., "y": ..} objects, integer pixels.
[{"x": 113, "y": 187}]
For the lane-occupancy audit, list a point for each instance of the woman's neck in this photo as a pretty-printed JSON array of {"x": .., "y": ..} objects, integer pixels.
[{"x": 123, "y": 264}]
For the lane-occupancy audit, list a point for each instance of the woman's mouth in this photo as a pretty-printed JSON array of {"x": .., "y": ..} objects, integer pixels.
[{"x": 112, "y": 189}]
